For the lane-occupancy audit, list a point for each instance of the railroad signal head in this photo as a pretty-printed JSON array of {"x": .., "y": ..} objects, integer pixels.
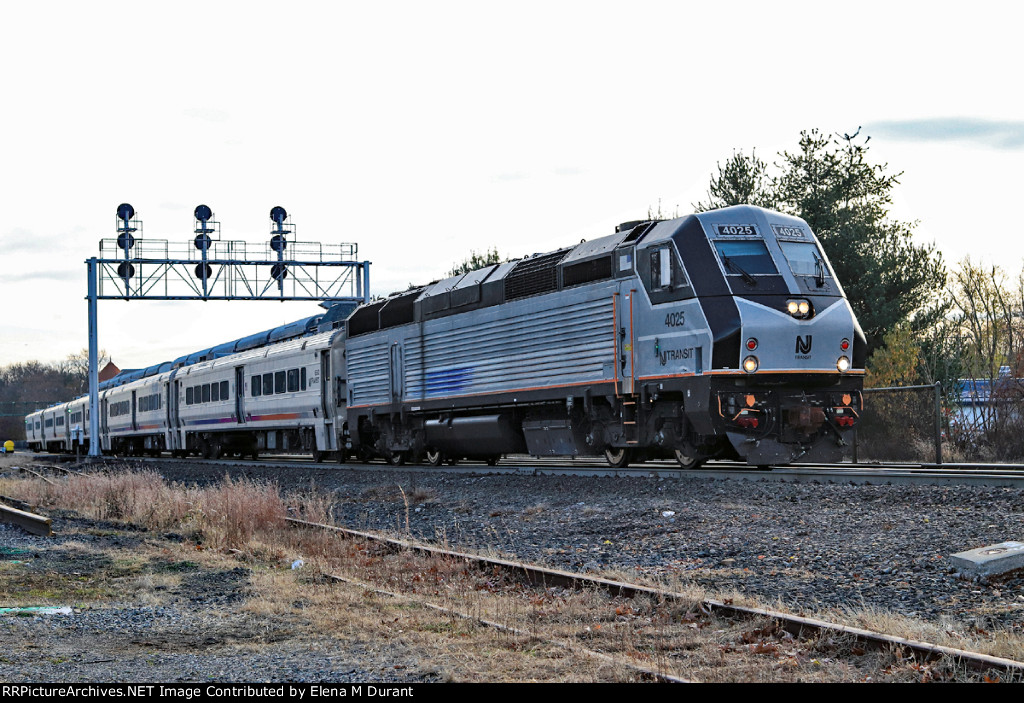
[
  {"x": 125, "y": 212},
  {"x": 278, "y": 215},
  {"x": 125, "y": 240},
  {"x": 203, "y": 215}
]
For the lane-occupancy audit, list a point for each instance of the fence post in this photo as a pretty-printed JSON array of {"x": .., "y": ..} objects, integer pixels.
[{"x": 938, "y": 423}]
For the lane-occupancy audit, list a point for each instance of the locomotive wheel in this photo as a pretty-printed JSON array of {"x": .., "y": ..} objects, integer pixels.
[
  {"x": 687, "y": 459},
  {"x": 619, "y": 457},
  {"x": 212, "y": 450},
  {"x": 434, "y": 457},
  {"x": 342, "y": 455},
  {"x": 493, "y": 460},
  {"x": 318, "y": 456},
  {"x": 396, "y": 458}
]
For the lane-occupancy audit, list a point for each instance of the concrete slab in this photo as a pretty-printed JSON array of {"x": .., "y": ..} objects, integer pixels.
[{"x": 991, "y": 560}]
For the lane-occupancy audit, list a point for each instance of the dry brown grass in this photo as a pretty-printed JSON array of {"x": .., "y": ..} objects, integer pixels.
[{"x": 676, "y": 637}]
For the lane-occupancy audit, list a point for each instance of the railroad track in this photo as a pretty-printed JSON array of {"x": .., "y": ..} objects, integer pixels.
[
  {"x": 995, "y": 475},
  {"x": 797, "y": 626}
]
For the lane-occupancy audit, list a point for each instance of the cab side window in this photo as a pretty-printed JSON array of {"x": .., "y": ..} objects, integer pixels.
[{"x": 663, "y": 274}]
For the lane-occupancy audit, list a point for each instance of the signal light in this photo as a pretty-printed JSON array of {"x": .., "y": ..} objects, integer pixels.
[
  {"x": 843, "y": 364},
  {"x": 125, "y": 240},
  {"x": 750, "y": 364},
  {"x": 844, "y": 345},
  {"x": 203, "y": 215},
  {"x": 752, "y": 344},
  {"x": 278, "y": 215}
]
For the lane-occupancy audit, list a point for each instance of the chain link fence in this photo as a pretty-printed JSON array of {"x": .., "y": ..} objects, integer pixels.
[
  {"x": 903, "y": 423},
  {"x": 982, "y": 422}
]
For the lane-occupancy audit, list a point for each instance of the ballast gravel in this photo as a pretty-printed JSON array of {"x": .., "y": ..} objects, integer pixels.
[{"x": 809, "y": 547}]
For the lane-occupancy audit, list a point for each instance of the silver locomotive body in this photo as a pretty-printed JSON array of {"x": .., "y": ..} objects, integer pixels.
[{"x": 723, "y": 334}]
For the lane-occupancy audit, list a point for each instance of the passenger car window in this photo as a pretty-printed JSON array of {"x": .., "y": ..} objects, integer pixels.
[
  {"x": 279, "y": 382},
  {"x": 293, "y": 380}
]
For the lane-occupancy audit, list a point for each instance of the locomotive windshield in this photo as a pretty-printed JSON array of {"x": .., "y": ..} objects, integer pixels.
[
  {"x": 746, "y": 257},
  {"x": 804, "y": 259}
]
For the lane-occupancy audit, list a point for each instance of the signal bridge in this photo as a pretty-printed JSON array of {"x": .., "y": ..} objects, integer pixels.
[{"x": 130, "y": 267}]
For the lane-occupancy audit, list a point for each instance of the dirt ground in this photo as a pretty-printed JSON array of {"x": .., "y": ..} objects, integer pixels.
[{"x": 153, "y": 607}]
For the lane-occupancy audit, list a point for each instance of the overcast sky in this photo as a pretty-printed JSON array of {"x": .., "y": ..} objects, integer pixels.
[{"x": 425, "y": 130}]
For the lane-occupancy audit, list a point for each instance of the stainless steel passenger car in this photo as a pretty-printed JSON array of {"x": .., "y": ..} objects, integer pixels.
[
  {"x": 264, "y": 400},
  {"x": 270, "y": 399}
]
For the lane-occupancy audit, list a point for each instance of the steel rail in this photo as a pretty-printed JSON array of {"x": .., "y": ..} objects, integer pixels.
[
  {"x": 794, "y": 624},
  {"x": 645, "y": 672},
  {"x": 877, "y": 474},
  {"x": 30, "y": 522}
]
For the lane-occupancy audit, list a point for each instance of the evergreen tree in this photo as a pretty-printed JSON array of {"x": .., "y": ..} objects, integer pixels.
[
  {"x": 829, "y": 182},
  {"x": 742, "y": 181},
  {"x": 888, "y": 278}
]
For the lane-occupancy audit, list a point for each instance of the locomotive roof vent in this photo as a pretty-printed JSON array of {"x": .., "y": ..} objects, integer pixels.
[{"x": 626, "y": 226}]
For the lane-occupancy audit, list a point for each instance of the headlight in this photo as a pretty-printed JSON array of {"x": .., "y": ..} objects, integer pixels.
[
  {"x": 843, "y": 364},
  {"x": 798, "y": 308},
  {"x": 750, "y": 364}
]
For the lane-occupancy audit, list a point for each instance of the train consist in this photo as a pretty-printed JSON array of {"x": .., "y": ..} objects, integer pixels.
[{"x": 721, "y": 334}]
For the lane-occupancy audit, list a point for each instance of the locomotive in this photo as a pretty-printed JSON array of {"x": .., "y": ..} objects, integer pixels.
[
  {"x": 720, "y": 334},
  {"x": 723, "y": 334}
]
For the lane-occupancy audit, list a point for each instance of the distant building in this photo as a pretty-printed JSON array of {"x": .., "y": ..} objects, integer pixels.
[
  {"x": 108, "y": 371},
  {"x": 983, "y": 401}
]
